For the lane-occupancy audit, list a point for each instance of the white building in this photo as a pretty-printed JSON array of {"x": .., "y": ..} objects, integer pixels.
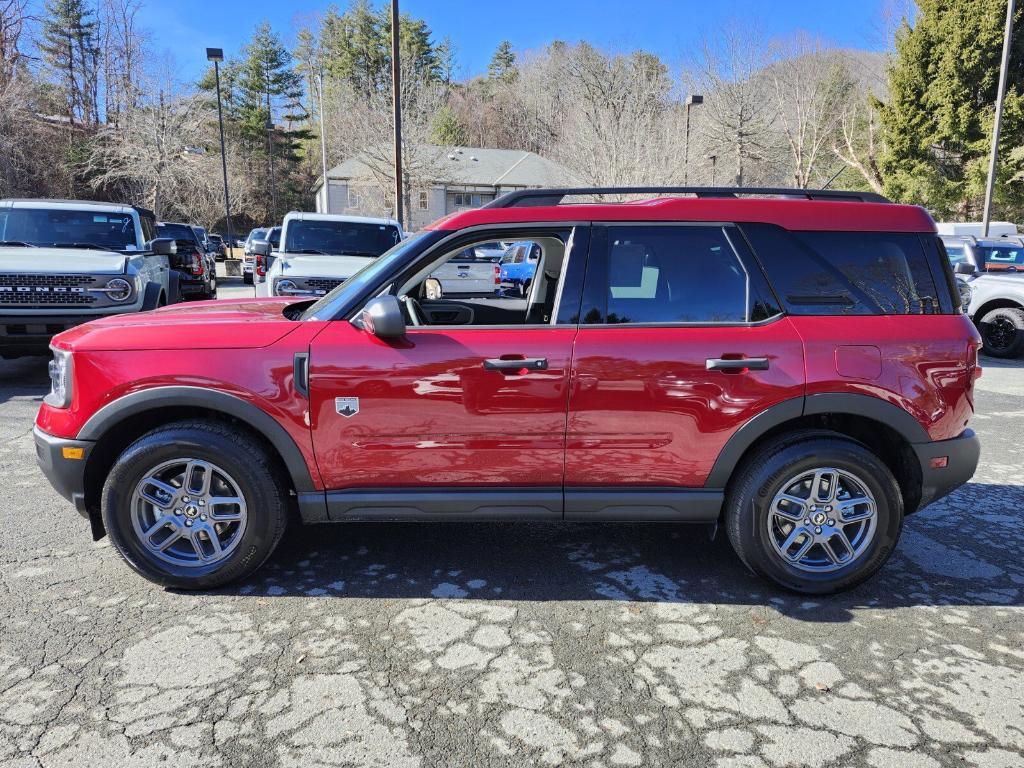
[{"x": 447, "y": 180}]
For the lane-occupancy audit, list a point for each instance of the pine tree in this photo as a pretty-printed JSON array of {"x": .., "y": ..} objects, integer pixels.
[
  {"x": 70, "y": 51},
  {"x": 938, "y": 117},
  {"x": 502, "y": 67},
  {"x": 446, "y": 129}
]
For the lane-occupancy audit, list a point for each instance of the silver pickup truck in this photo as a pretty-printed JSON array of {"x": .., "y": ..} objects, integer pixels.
[{"x": 65, "y": 262}]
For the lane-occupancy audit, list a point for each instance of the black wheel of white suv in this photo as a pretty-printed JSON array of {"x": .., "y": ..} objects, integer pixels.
[
  {"x": 1002, "y": 332},
  {"x": 814, "y": 511},
  {"x": 194, "y": 505}
]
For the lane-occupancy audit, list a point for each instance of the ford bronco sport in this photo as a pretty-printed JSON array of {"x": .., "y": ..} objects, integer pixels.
[{"x": 791, "y": 364}]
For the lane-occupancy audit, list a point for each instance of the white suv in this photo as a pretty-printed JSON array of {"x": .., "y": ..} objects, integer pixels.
[
  {"x": 320, "y": 250},
  {"x": 63, "y": 263}
]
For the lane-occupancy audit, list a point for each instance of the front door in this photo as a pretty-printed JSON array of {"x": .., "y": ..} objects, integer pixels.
[
  {"x": 473, "y": 396},
  {"x": 681, "y": 345}
]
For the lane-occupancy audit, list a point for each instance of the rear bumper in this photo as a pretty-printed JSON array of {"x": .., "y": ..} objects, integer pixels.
[
  {"x": 961, "y": 455},
  {"x": 66, "y": 475}
]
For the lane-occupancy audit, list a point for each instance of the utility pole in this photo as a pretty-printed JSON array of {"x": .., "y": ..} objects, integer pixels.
[
  {"x": 396, "y": 88},
  {"x": 270, "y": 153},
  {"x": 994, "y": 156},
  {"x": 323, "y": 141},
  {"x": 693, "y": 98},
  {"x": 216, "y": 55}
]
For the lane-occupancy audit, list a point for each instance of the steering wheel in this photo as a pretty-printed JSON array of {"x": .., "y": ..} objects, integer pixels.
[{"x": 412, "y": 308}]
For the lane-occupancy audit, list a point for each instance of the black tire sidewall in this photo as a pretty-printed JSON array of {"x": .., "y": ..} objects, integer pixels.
[
  {"x": 1014, "y": 316},
  {"x": 766, "y": 477},
  {"x": 262, "y": 495}
]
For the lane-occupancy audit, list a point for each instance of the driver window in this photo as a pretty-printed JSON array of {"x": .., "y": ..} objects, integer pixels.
[{"x": 487, "y": 282}]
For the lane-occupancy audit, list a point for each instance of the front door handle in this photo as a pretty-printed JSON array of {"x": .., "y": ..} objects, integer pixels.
[
  {"x": 516, "y": 364},
  {"x": 737, "y": 364}
]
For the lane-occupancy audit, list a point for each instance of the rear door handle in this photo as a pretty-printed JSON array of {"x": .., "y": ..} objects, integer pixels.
[
  {"x": 737, "y": 364},
  {"x": 516, "y": 364}
]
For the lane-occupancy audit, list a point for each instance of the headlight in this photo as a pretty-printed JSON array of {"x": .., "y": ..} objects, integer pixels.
[
  {"x": 285, "y": 287},
  {"x": 60, "y": 379},
  {"x": 118, "y": 289},
  {"x": 965, "y": 294}
]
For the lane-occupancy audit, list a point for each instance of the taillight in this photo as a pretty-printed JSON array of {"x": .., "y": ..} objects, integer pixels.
[
  {"x": 197, "y": 264},
  {"x": 261, "y": 265},
  {"x": 497, "y": 275}
]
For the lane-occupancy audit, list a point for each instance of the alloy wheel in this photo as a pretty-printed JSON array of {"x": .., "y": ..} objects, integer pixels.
[
  {"x": 822, "y": 520},
  {"x": 188, "y": 512}
]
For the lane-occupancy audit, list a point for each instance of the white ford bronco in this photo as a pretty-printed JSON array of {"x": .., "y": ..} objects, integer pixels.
[
  {"x": 321, "y": 250},
  {"x": 63, "y": 263}
]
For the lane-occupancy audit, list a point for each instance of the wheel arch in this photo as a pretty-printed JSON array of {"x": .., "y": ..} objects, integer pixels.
[
  {"x": 124, "y": 420},
  {"x": 988, "y": 306},
  {"x": 886, "y": 429}
]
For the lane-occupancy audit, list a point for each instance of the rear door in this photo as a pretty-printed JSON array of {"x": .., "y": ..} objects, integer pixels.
[{"x": 681, "y": 343}]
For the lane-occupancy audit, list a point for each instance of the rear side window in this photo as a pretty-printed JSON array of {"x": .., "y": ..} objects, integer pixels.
[
  {"x": 666, "y": 275},
  {"x": 848, "y": 273}
]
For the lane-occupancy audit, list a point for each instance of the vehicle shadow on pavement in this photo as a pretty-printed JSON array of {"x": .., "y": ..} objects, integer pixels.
[
  {"x": 939, "y": 562},
  {"x": 24, "y": 377}
]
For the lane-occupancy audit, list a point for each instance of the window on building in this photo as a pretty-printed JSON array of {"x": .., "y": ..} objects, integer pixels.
[
  {"x": 423, "y": 201},
  {"x": 353, "y": 199}
]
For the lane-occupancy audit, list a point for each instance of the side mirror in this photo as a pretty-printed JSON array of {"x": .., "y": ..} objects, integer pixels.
[
  {"x": 964, "y": 268},
  {"x": 261, "y": 247},
  {"x": 432, "y": 288},
  {"x": 163, "y": 246},
  {"x": 383, "y": 318}
]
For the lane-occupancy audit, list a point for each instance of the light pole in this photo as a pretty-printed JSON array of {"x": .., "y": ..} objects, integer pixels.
[
  {"x": 216, "y": 55},
  {"x": 693, "y": 98},
  {"x": 323, "y": 141},
  {"x": 987, "y": 216},
  {"x": 270, "y": 153},
  {"x": 396, "y": 103}
]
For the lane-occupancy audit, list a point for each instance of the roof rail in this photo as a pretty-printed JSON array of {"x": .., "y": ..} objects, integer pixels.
[{"x": 521, "y": 198}]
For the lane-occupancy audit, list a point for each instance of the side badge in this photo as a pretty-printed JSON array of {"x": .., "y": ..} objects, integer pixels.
[{"x": 346, "y": 406}]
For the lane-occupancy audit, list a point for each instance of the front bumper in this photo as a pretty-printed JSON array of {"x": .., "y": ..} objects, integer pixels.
[
  {"x": 961, "y": 455},
  {"x": 66, "y": 475}
]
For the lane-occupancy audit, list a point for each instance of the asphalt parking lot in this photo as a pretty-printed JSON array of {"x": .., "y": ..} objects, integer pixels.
[{"x": 514, "y": 644}]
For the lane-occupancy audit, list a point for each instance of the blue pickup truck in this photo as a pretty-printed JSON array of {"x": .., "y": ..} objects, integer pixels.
[{"x": 518, "y": 264}]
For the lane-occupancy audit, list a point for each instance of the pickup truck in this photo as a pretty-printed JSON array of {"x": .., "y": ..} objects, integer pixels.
[
  {"x": 474, "y": 272},
  {"x": 991, "y": 275},
  {"x": 65, "y": 262}
]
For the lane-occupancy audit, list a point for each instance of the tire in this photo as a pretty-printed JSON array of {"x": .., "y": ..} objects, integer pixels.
[
  {"x": 240, "y": 465},
  {"x": 247, "y": 278},
  {"x": 524, "y": 287},
  {"x": 752, "y": 526},
  {"x": 1002, "y": 332}
]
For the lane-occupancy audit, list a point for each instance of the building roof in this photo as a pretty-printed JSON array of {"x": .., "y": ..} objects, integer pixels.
[{"x": 473, "y": 166}]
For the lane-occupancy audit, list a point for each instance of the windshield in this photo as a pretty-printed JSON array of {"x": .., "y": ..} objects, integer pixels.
[
  {"x": 368, "y": 274},
  {"x": 1000, "y": 258},
  {"x": 339, "y": 237},
  {"x": 66, "y": 228},
  {"x": 177, "y": 232}
]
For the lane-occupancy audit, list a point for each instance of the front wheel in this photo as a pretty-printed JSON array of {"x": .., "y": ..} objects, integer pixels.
[
  {"x": 194, "y": 505},
  {"x": 815, "y": 512},
  {"x": 1002, "y": 332}
]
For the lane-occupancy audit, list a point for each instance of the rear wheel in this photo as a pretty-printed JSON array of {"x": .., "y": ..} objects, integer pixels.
[
  {"x": 247, "y": 278},
  {"x": 1002, "y": 332},
  {"x": 815, "y": 512},
  {"x": 194, "y": 505}
]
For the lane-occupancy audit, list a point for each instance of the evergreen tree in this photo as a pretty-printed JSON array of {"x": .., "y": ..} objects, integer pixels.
[
  {"x": 70, "y": 51},
  {"x": 939, "y": 114},
  {"x": 446, "y": 129},
  {"x": 503, "y": 63}
]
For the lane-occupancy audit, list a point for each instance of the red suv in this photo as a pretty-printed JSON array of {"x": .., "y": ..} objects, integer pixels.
[{"x": 791, "y": 364}]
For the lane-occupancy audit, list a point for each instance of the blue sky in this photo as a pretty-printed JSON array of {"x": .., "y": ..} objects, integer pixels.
[{"x": 666, "y": 27}]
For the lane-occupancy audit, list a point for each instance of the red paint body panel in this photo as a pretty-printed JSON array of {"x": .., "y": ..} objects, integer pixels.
[
  {"x": 807, "y": 215},
  {"x": 200, "y": 325},
  {"x": 644, "y": 409},
  {"x": 261, "y": 377},
  {"x": 926, "y": 370},
  {"x": 431, "y": 415}
]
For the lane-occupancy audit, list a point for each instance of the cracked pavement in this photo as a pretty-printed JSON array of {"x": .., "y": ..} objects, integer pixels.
[{"x": 515, "y": 644}]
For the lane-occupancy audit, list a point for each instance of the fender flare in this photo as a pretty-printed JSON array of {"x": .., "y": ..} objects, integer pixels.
[
  {"x": 867, "y": 406},
  {"x": 176, "y": 396},
  {"x": 151, "y": 297}
]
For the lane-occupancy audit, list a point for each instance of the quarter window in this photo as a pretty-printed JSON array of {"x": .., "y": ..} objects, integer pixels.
[{"x": 674, "y": 274}]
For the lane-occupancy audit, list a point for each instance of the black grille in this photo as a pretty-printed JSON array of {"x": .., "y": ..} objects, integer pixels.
[
  {"x": 323, "y": 283},
  {"x": 45, "y": 290}
]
